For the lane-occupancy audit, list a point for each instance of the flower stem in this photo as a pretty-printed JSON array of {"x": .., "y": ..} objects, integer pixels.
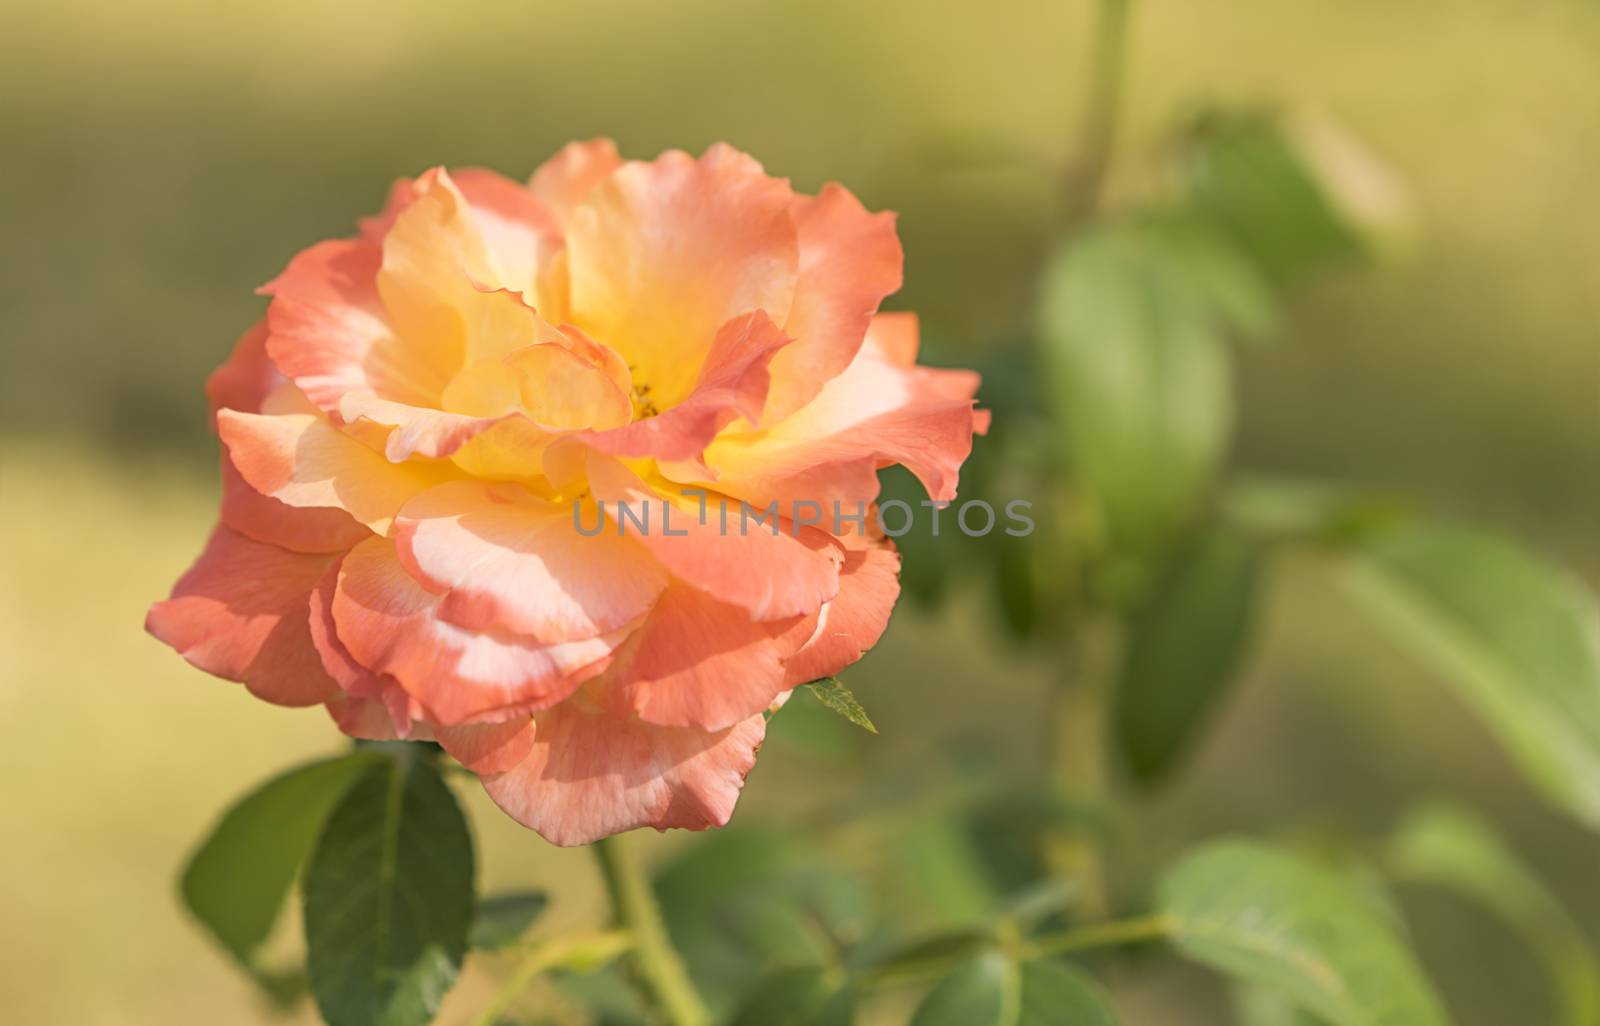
[
  {"x": 1098, "y": 935},
  {"x": 655, "y": 960},
  {"x": 1080, "y": 723},
  {"x": 1086, "y": 174}
]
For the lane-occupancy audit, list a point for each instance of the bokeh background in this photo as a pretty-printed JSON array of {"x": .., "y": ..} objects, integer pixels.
[{"x": 162, "y": 159}]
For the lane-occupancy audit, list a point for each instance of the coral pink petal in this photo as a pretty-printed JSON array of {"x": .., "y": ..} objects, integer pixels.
[
  {"x": 566, "y": 179},
  {"x": 773, "y": 570},
  {"x": 849, "y": 261},
  {"x": 500, "y": 557},
  {"x": 732, "y": 384},
  {"x": 869, "y": 584},
  {"x": 391, "y": 625},
  {"x": 697, "y": 662},
  {"x": 369, "y": 719},
  {"x": 355, "y": 680},
  {"x": 517, "y": 229},
  {"x": 488, "y": 747},
  {"x": 242, "y": 383},
  {"x": 876, "y": 413},
  {"x": 242, "y": 613},
  {"x": 661, "y": 255},
  {"x": 591, "y": 774},
  {"x": 329, "y": 331},
  {"x": 302, "y": 460}
]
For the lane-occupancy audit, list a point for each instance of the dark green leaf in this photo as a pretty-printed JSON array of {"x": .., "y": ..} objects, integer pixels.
[
  {"x": 798, "y": 997},
  {"x": 388, "y": 898},
  {"x": 1184, "y": 647},
  {"x": 1275, "y": 921},
  {"x": 1139, "y": 378},
  {"x": 1518, "y": 638},
  {"x": 1451, "y": 847},
  {"x": 833, "y": 694},
  {"x": 985, "y": 992},
  {"x": 237, "y": 881},
  {"x": 502, "y": 920}
]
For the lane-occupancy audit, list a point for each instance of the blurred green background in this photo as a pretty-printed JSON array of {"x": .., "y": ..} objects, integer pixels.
[{"x": 163, "y": 159}]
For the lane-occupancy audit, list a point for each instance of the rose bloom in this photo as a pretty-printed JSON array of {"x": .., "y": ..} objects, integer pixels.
[{"x": 408, "y": 432}]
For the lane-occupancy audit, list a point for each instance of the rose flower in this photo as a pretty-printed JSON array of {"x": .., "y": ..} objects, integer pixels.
[{"x": 445, "y": 441}]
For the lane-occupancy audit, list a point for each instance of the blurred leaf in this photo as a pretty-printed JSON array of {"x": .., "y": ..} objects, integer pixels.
[
  {"x": 1184, "y": 646},
  {"x": 1138, "y": 376},
  {"x": 917, "y": 957},
  {"x": 1018, "y": 605},
  {"x": 501, "y": 921},
  {"x": 1312, "y": 511},
  {"x": 1451, "y": 847},
  {"x": 1278, "y": 922},
  {"x": 740, "y": 901},
  {"x": 238, "y": 879},
  {"x": 1058, "y": 995},
  {"x": 389, "y": 898},
  {"x": 798, "y": 997},
  {"x": 1256, "y": 1006},
  {"x": 985, "y": 992},
  {"x": 1244, "y": 172},
  {"x": 832, "y": 693},
  {"x": 609, "y": 997},
  {"x": 1042, "y": 900},
  {"x": 1517, "y": 637},
  {"x": 992, "y": 990},
  {"x": 937, "y": 861}
]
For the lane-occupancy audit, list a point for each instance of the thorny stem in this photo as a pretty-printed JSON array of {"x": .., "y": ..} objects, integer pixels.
[{"x": 656, "y": 961}]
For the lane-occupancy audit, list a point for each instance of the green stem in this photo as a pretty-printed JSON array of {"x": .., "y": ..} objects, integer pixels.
[
  {"x": 655, "y": 960},
  {"x": 587, "y": 948},
  {"x": 1085, "y": 177},
  {"x": 1080, "y": 725},
  {"x": 1078, "y": 939},
  {"x": 1098, "y": 935}
]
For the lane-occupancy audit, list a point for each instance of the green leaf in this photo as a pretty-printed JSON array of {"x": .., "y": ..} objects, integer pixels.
[
  {"x": 1519, "y": 640},
  {"x": 1275, "y": 921},
  {"x": 501, "y": 921},
  {"x": 1245, "y": 172},
  {"x": 832, "y": 693},
  {"x": 1255, "y": 1006},
  {"x": 1139, "y": 379},
  {"x": 1451, "y": 847},
  {"x": 798, "y": 997},
  {"x": 985, "y": 992},
  {"x": 1184, "y": 647},
  {"x": 1057, "y": 995},
  {"x": 992, "y": 990},
  {"x": 238, "y": 879},
  {"x": 389, "y": 898}
]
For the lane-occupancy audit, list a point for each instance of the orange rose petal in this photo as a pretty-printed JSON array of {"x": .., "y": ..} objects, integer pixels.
[
  {"x": 241, "y": 613},
  {"x": 698, "y": 662},
  {"x": 661, "y": 255},
  {"x": 590, "y": 774},
  {"x": 499, "y": 557},
  {"x": 849, "y": 261},
  {"x": 771, "y": 575},
  {"x": 391, "y": 625}
]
